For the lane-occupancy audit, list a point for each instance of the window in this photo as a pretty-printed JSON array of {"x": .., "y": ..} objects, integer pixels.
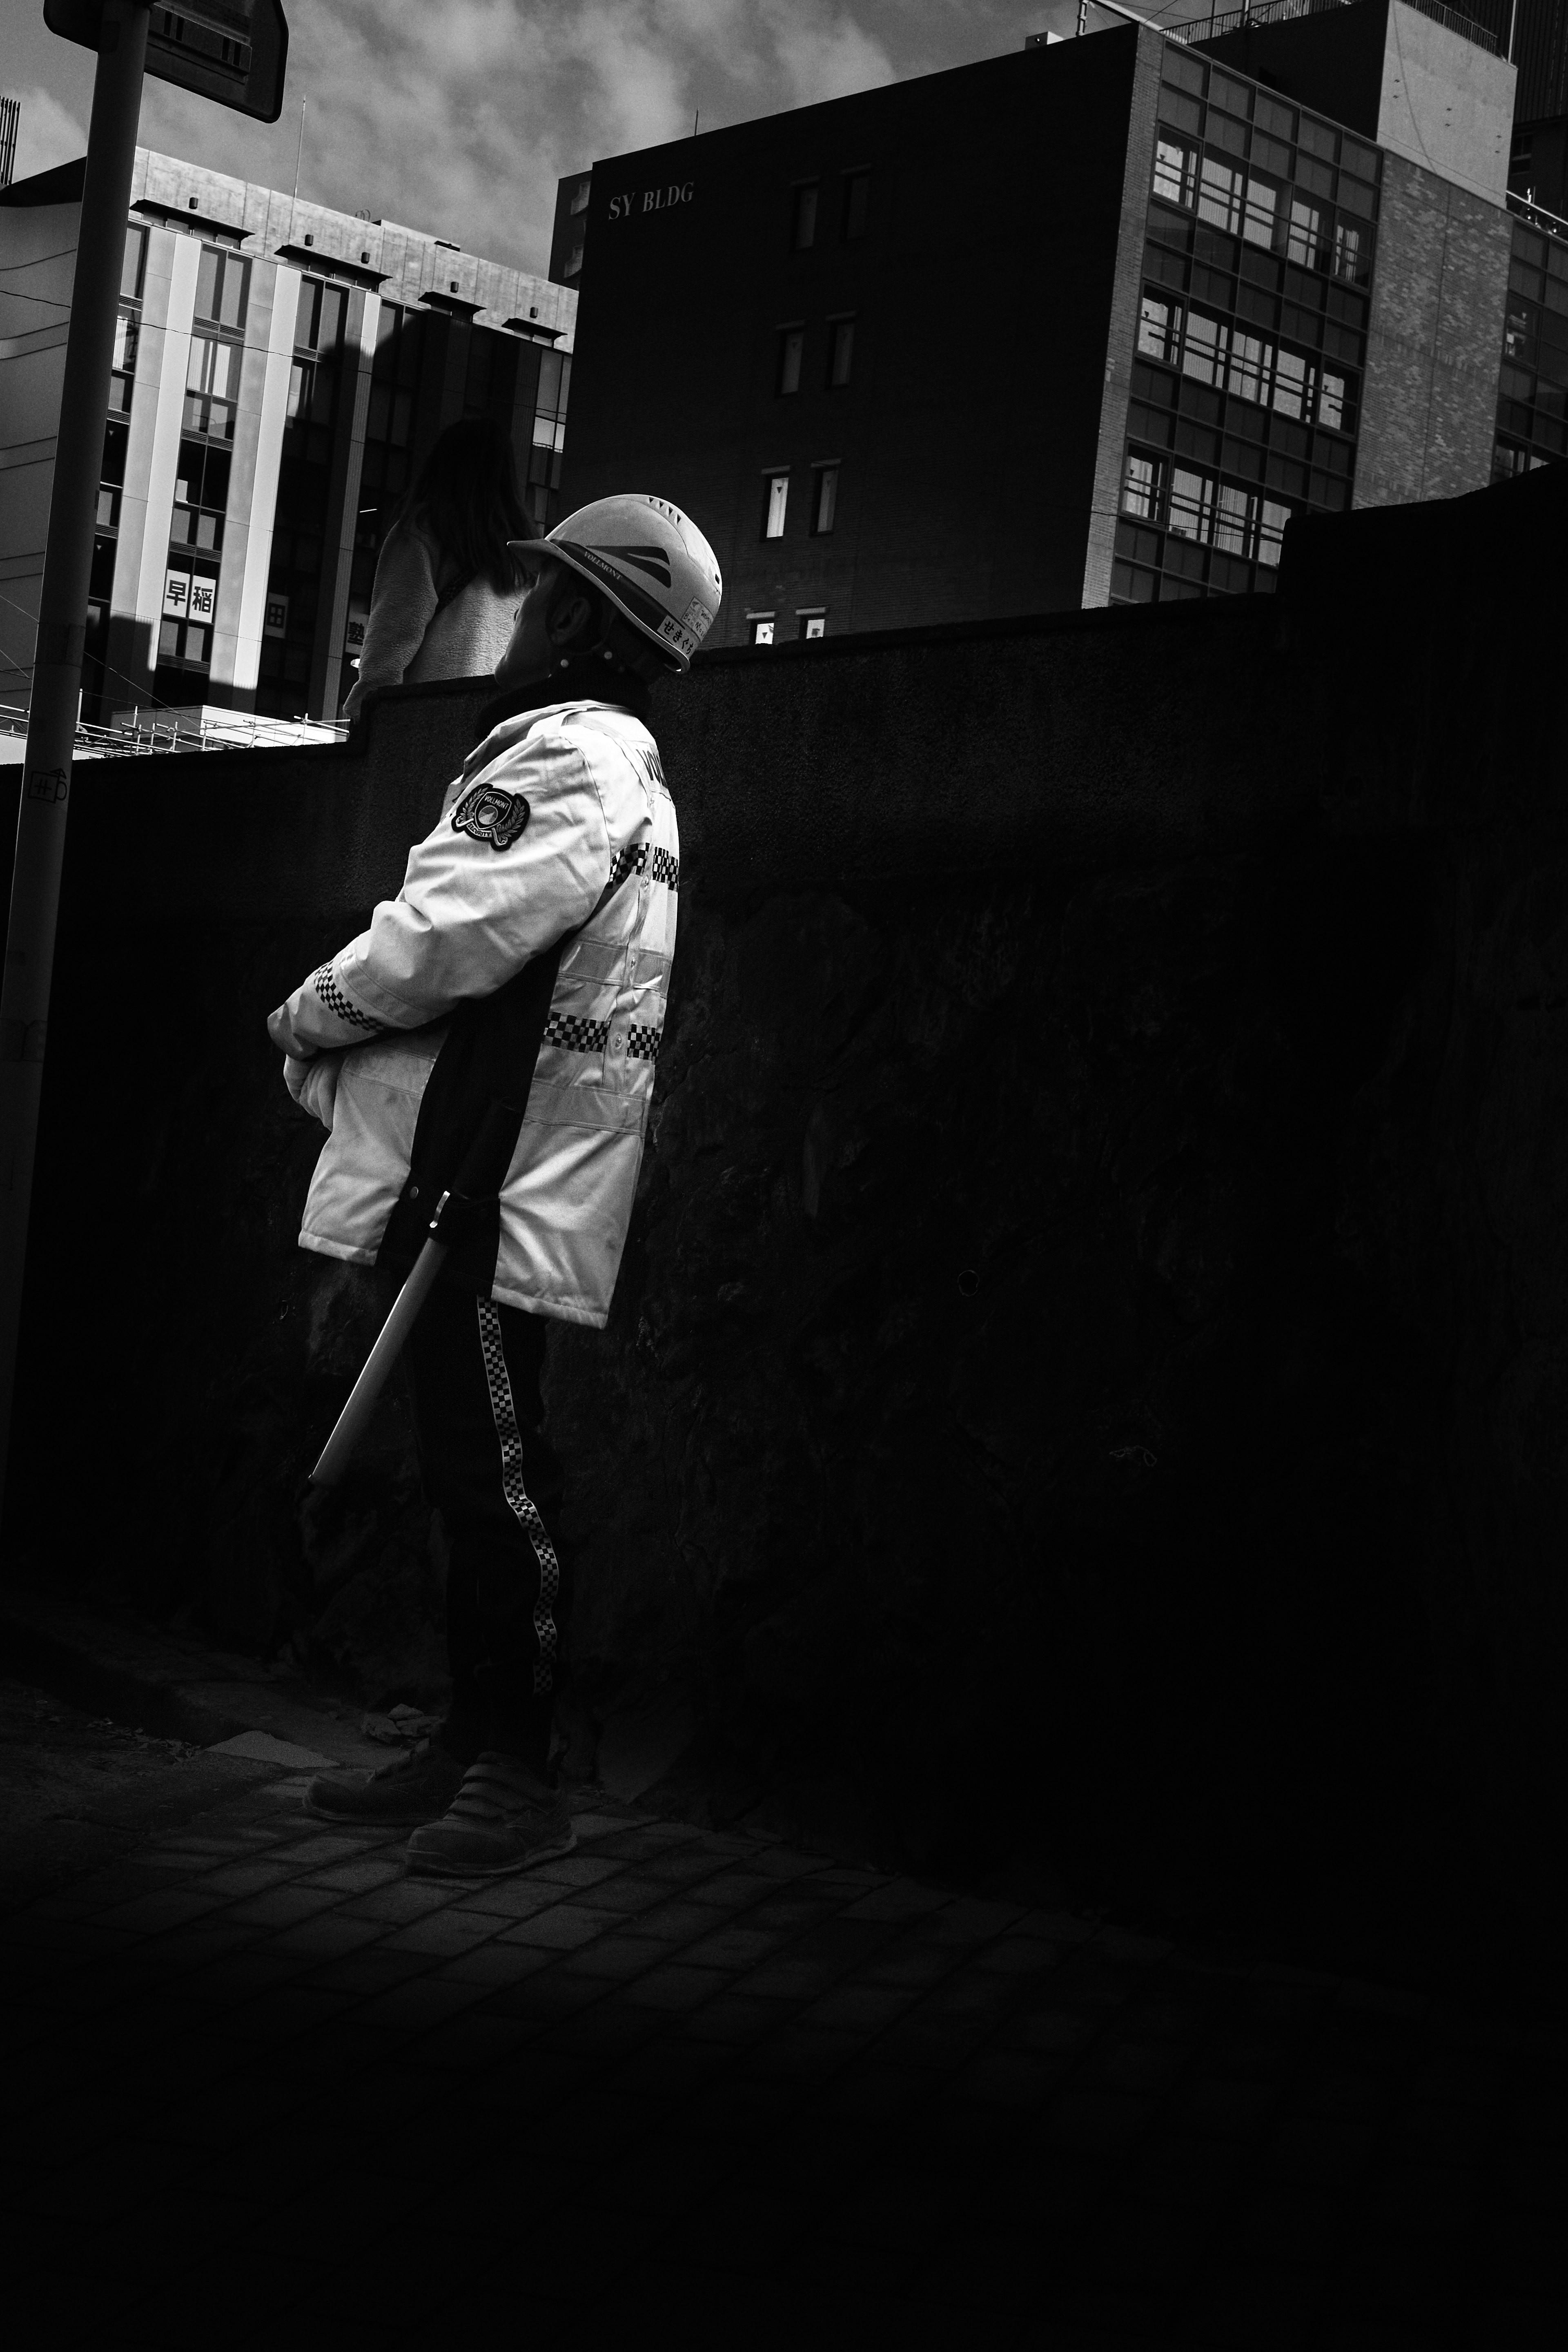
[
  {"x": 792, "y": 343},
  {"x": 1350, "y": 252},
  {"x": 1303, "y": 233},
  {"x": 1159, "y": 327},
  {"x": 318, "y": 320},
  {"x": 1336, "y": 402},
  {"x": 1175, "y": 172},
  {"x": 1230, "y": 522},
  {"x": 1206, "y": 344},
  {"x": 223, "y": 280},
  {"x": 856, "y": 200},
  {"x": 580, "y": 196},
  {"x": 761, "y": 627},
  {"x": 842, "y": 352},
  {"x": 774, "y": 510},
  {"x": 1192, "y": 501},
  {"x": 1273, "y": 520},
  {"x": 811, "y": 624},
  {"x": 132, "y": 268},
  {"x": 1292, "y": 384},
  {"x": 825, "y": 500},
  {"x": 803, "y": 233},
  {"x": 1140, "y": 492},
  {"x": 1250, "y": 359},
  {"x": 212, "y": 386}
]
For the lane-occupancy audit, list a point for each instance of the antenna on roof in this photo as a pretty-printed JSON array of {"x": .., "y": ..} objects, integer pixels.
[{"x": 299, "y": 150}]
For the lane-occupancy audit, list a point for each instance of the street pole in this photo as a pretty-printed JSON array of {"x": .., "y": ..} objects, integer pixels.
[{"x": 57, "y": 659}]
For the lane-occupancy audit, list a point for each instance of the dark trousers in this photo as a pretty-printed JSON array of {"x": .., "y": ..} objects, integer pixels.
[{"x": 473, "y": 1371}]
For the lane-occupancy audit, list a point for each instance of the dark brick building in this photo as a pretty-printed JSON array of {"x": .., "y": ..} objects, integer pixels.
[{"x": 1083, "y": 323}]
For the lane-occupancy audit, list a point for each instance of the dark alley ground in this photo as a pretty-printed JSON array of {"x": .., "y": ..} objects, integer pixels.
[{"x": 258, "y": 2079}]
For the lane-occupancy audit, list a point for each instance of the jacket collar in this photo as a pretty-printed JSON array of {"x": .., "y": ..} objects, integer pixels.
[{"x": 581, "y": 677}]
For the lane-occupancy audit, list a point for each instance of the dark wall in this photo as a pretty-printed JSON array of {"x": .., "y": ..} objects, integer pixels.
[
  {"x": 1332, "y": 62},
  {"x": 981, "y": 292},
  {"x": 1092, "y": 1353}
]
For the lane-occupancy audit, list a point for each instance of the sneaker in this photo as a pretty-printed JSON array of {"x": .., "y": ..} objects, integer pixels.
[
  {"x": 502, "y": 1818},
  {"x": 417, "y": 1786}
]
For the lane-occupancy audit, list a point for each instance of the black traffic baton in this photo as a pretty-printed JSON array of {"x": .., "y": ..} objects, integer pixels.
[{"x": 476, "y": 1185}]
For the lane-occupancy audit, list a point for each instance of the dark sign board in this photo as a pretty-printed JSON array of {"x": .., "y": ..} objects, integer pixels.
[{"x": 231, "y": 51}]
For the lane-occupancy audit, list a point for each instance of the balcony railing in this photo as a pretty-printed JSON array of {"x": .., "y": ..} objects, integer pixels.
[{"x": 1278, "y": 12}]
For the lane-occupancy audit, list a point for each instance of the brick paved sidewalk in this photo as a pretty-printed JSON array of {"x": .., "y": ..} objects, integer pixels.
[{"x": 257, "y": 2080}]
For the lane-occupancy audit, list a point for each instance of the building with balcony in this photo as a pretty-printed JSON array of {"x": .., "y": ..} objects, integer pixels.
[
  {"x": 1083, "y": 324},
  {"x": 281, "y": 371}
]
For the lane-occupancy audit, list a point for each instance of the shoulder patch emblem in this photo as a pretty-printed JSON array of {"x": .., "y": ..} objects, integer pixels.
[{"x": 486, "y": 813}]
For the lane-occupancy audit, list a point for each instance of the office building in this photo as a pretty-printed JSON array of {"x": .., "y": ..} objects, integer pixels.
[
  {"x": 1087, "y": 322},
  {"x": 281, "y": 371}
]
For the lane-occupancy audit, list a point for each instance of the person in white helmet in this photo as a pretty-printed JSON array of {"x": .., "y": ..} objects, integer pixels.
[{"x": 524, "y": 964}]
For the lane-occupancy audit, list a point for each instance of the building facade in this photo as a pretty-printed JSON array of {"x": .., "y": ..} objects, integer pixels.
[
  {"x": 281, "y": 372},
  {"x": 1085, "y": 323}
]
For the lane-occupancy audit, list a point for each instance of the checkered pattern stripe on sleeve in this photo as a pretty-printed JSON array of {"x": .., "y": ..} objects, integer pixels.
[
  {"x": 643, "y": 1044},
  {"x": 640, "y": 857},
  {"x": 575, "y": 1036},
  {"x": 325, "y": 984}
]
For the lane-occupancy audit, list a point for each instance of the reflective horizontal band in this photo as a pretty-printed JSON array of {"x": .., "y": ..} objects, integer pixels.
[
  {"x": 325, "y": 984},
  {"x": 577, "y": 1036}
]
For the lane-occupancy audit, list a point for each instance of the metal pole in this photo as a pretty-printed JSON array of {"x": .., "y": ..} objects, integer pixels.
[{"x": 57, "y": 659}]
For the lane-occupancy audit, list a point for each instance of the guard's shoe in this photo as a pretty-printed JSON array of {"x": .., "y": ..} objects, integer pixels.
[
  {"x": 417, "y": 1786},
  {"x": 502, "y": 1818}
]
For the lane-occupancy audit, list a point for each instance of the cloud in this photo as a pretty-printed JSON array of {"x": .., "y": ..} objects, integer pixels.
[
  {"x": 459, "y": 116},
  {"x": 45, "y": 134}
]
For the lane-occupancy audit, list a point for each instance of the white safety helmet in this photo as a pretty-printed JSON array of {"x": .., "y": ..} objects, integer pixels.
[{"x": 649, "y": 559}]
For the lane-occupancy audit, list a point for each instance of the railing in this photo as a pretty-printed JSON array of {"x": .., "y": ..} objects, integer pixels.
[
  {"x": 1537, "y": 216},
  {"x": 1278, "y": 12},
  {"x": 179, "y": 731}
]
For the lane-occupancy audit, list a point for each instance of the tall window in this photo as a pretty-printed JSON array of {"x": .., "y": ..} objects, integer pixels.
[
  {"x": 842, "y": 352},
  {"x": 212, "y": 386},
  {"x": 792, "y": 344},
  {"x": 825, "y": 500},
  {"x": 774, "y": 506},
  {"x": 222, "y": 281},
  {"x": 857, "y": 203},
  {"x": 803, "y": 230},
  {"x": 762, "y": 628}
]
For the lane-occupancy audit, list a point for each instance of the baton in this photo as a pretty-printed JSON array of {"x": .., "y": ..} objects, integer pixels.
[{"x": 476, "y": 1183}]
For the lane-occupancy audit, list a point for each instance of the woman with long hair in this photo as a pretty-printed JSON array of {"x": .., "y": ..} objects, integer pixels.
[{"x": 447, "y": 585}]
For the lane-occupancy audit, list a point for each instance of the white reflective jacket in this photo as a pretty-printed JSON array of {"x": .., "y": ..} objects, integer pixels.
[{"x": 487, "y": 890}]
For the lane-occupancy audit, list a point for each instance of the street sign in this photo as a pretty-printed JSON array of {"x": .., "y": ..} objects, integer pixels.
[{"x": 233, "y": 51}]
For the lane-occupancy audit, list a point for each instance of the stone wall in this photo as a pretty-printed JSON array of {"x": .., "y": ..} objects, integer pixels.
[
  {"x": 1092, "y": 1352},
  {"x": 1434, "y": 340}
]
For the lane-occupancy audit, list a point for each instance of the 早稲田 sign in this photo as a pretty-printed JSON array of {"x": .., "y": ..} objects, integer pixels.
[{"x": 652, "y": 200}]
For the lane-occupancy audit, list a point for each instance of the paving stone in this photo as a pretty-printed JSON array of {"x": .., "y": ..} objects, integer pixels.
[
  {"x": 370, "y": 1969},
  {"x": 730, "y": 1948},
  {"x": 562, "y": 1928},
  {"x": 733, "y": 2018},
  {"x": 410, "y": 1898},
  {"x": 730, "y": 1890},
  {"x": 149, "y": 1913},
  {"x": 421, "y": 2002},
  {"x": 326, "y": 1937},
  {"x": 511, "y": 1898},
  {"x": 857, "y": 2009},
  {"x": 628, "y": 1892},
  {"x": 247, "y": 1877},
  {"x": 443, "y": 1934},
  {"x": 619, "y": 1956},
  {"x": 280, "y": 1906},
  {"x": 672, "y": 1985},
  {"x": 1227, "y": 2110},
  {"x": 800, "y": 2055},
  {"x": 357, "y": 1877},
  {"x": 1245, "y": 2308},
  {"x": 1006, "y": 2078}
]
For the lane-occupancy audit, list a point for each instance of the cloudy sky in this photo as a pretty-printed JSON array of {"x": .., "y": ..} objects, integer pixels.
[{"x": 459, "y": 116}]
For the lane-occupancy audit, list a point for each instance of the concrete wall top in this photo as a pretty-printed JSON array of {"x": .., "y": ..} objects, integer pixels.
[
  {"x": 415, "y": 261},
  {"x": 1445, "y": 103},
  {"x": 1387, "y": 687}
]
